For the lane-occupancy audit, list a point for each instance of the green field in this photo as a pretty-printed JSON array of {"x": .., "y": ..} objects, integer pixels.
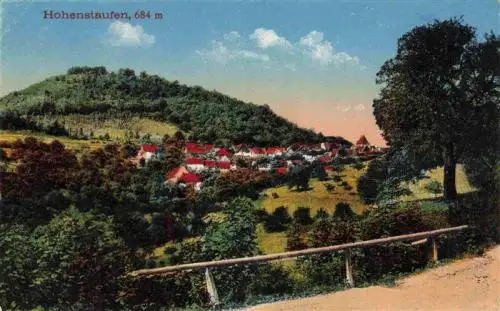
[
  {"x": 420, "y": 193},
  {"x": 114, "y": 127},
  {"x": 73, "y": 144},
  {"x": 317, "y": 197}
]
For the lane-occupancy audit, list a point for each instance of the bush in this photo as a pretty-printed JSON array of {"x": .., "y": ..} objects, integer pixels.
[
  {"x": 269, "y": 280},
  {"x": 343, "y": 211},
  {"x": 278, "y": 220},
  {"x": 398, "y": 257},
  {"x": 370, "y": 182},
  {"x": 321, "y": 269},
  {"x": 434, "y": 187},
  {"x": 157, "y": 292},
  {"x": 302, "y": 215},
  {"x": 295, "y": 237},
  {"x": 337, "y": 178},
  {"x": 326, "y": 232},
  {"x": 320, "y": 214},
  {"x": 348, "y": 187},
  {"x": 329, "y": 187}
]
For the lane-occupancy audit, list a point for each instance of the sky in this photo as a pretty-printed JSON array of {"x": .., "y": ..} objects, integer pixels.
[{"x": 313, "y": 62}]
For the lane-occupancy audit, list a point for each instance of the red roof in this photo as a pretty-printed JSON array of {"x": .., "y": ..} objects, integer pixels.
[
  {"x": 334, "y": 152},
  {"x": 274, "y": 150},
  {"x": 210, "y": 163},
  {"x": 350, "y": 152},
  {"x": 189, "y": 178},
  {"x": 328, "y": 168},
  {"x": 197, "y": 149},
  {"x": 257, "y": 150},
  {"x": 281, "y": 170},
  {"x": 194, "y": 161},
  {"x": 223, "y": 152},
  {"x": 325, "y": 159},
  {"x": 362, "y": 141},
  {"x": 296, "y": 161},
  {"x": 149, "y": 148},
  {"x": 175, "y": 171},
  {"x": 224, "y": 164}
]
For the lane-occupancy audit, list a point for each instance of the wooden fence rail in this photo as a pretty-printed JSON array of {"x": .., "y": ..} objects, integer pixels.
[{"x": 429, "y": 236}]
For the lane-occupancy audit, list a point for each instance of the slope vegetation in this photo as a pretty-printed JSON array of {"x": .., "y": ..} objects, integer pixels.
[{"x": 207, "y": 115}]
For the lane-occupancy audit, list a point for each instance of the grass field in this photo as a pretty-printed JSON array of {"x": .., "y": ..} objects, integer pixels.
[
  {"x": 116, "y": 128},
  {"x": 317, "y": 197},
  {"x": 73, "y": 144},
  {"x": 420, "y": 193}
]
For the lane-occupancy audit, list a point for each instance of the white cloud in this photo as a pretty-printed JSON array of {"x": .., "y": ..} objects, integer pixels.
[
  {"x": 221, "y": 53},
  {"x": 359, "y": 107},
  {"x": 344, "y": 108},
  {"x": 232, "y": 35},
  {"x": 322, "y": 51},
  {"x": 125, "y": 34},
  {"x": 267, "y": 38}
]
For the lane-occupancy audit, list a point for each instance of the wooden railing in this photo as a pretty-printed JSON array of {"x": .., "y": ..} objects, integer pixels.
[{"x": 419, "y": 238}]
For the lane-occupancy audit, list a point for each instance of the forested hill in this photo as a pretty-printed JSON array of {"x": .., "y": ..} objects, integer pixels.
[{"x": 208, "y": 116}]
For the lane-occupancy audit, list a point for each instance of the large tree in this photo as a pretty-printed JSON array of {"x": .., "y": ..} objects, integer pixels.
[{"x": 439, "y": 96}]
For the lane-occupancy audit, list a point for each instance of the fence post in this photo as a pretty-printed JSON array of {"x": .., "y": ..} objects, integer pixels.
[
  {"x": 348, "y": 268},
  {"x": 433, "y": 249},
  {"x": 211, "y": 289}
]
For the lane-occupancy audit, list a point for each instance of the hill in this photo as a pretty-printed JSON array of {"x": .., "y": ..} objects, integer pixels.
[{"x": 208, "y": 116}]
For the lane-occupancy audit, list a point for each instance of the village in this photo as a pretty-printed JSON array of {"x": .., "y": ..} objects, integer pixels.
[{"x": 205, "y": 157}]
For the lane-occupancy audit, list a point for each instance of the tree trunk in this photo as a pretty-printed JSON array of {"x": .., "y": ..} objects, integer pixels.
[{"x": 450, "y": 166}]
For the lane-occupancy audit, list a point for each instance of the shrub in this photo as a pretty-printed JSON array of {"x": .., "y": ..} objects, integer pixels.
[
  {"x": 434, "y": 187},
  {"x": 270, "y": 279},
  {"x": 295, "y": 237},
  {"x": 398, "y": 257},
  {"x": 321, "y": 270},
  {"x": 278, "y": 220},
  {"x": 348, "y": 187},
  {"x": 302, "y": 215},
  {"x": 329, "y": 187},
  {"x": 320, "y": 214},
  {"x": 170, "y": 250},
  {"x": 337, "y": 178},
  {"x": 370, "y": 182},
  {"x": 326, "y": 232},
  {"x": 343, "y": 211}
]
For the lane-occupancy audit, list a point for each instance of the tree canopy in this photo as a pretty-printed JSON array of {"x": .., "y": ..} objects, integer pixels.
[
  {"x": 208, "y": 116},
  {"x": 439, "y": 96}
]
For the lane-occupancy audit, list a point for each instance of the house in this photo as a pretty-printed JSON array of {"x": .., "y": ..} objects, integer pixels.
[
  {"x": 210, "y": 163},
  {"x": 147, "y": 151},
  {"x": 275, "y": 150},
  {"x": 196, "y": 149},
  {"x": 195, "y": 164},
  {"x": 325, "y": 159},
  {"x": 362, "y": 142},
  {"x": 224, "y": 165},
  {"x": 281, "y": 170},
  {"x": 175, "y": 174},
  {"x": 242, "y": 151},
  {"x": 257, "y": 152},
  {"x": 223, "y": 152},
  {"x": 189, "y": 178}
]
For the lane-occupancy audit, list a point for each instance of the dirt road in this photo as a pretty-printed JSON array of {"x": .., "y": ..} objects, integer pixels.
[{"x": 467, "y": 284}]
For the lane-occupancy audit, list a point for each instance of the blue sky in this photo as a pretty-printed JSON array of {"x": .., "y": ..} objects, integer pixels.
[{"x": 312, "y": 61}]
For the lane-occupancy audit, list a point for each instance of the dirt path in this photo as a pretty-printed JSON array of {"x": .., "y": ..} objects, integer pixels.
[{"x": 468, "y": 284}]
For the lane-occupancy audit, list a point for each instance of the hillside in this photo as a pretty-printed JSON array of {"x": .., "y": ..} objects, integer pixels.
[{"x": 205, "y": 115}]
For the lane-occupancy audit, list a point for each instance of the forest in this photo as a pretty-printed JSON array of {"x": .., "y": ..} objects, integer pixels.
[{"x": 208, "y": 116}]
